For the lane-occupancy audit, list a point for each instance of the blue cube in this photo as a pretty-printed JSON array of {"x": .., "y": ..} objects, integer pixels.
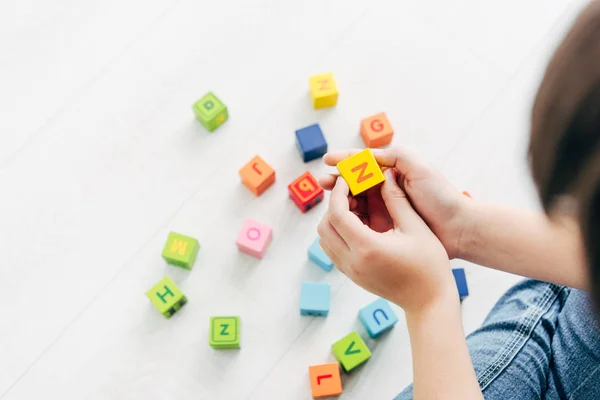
[
  {"x": 377, "y": 317},
  {"x": 318, "y": 256},
  {"x": 314, "y": 299},
  {"x": 461, "y": 282},
  {"x": 311, "y": 142}
]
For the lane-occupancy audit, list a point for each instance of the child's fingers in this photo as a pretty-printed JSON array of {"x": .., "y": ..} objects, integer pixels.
[
  {"x": 347, "y": 224},
  {"x": 403, "y": 214},
  {"x": 335, "y": 157},
  {"x": 327, "y": 182}
]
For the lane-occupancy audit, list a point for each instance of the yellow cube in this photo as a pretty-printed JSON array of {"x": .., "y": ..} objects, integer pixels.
[
  {"x": 360, "y": 171},
  {"x": 323, "y": 90}
]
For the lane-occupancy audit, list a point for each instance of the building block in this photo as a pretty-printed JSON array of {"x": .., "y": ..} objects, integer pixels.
[
  {"x": 254, "y": 238},
  {"x": 166, "y": 297},
  {"x": 360, "y": 171},
  {"x": 180, "y": 250},
  {"x": 376, "y": 131},
  {"x": 315, "y": 299},
  {"x": 311, "y": 143},
  {"x": 377, "y": 317},
  {"x": 225, "y": 332},
  {"x": 257, "y": 175},
  {"x": 325, "y": 380},
  {"x": 306, "y": 192},
  {"x": 210, "y": 111},
  {"x": 461, "y": 282},
  {"x": 318, "y": 256},
  {"x": 351, "y": 351},
  {"x": 323, "y": 90}
]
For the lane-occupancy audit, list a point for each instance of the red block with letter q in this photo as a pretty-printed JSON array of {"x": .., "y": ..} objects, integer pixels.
[{"x": 306, "y": 192}]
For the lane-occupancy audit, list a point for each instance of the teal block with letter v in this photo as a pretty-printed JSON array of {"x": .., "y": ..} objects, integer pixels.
[
  {"x": 210, "y": 111},
  {"x": 377, "y": 317},
  {"x": 351, "y": 351},
  {"x": 225, "y": 332}
]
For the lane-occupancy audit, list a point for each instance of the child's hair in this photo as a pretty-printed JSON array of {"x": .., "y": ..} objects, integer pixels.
[{"x": 564, "y": 149}]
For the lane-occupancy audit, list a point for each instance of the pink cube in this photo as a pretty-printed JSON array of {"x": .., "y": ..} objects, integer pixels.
[{"x": 254, "y": 238}]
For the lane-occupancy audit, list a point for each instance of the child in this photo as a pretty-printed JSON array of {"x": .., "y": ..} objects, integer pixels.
[{"x": 541, "y": 340}]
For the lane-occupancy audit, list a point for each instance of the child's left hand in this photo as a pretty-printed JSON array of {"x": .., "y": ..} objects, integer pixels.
[{"x": 382, "y": 244}]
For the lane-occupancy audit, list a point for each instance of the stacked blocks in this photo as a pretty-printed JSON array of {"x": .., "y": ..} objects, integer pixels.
[
  {"x": 323, "y": 90},
  {"x": 224, "y": 332},
  {"x": 360, "y": 171},
  {"x": 210, "y": 111},
  {"x": 377, "y": 317},
  {"x": 376, "y": 131},
  {"x": 461, "y": 282},
  {"x": 318, "y": 256},
  {"x": 254, "y": 238},
  {"x": 180, "y": 250},
  {"x": 166, "y": 297},
  {"x": 351, "y": 351},
  {"x": 325, "y": 380},
  {"x": 257, "y": 175},
  {"x": 311, "y": 142},
  {"x": 314, "y": 299},
  {"x": 306, "y": 192}
]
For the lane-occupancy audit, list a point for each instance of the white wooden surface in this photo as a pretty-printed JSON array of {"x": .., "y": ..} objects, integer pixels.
[{"x": 100, "y": 157}]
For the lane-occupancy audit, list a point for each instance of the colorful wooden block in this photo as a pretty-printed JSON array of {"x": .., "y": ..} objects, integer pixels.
[
  {"x": 180, "y": 250},
  {"x": 210, "y": 111},
  {"x": 225, "y": 332},
  {"x": 306, "y": 192},
  {"x": 166, "y": 297},
  {"x": 351, "y": 351},
  {"x": 315, "y": 299},
  {"x": 318, "y": 256},
  {"x": 461, "y": 282},
  {"x": 376, "y": 131},
  {"x": 311, "y": 143},
  {"x": 323, "y": 90},
  {"x": 360, "y": 171},
  {"x": 254, "y": 238},
  {"x": 325, "y": 380},
  {"x": 257, "y": 175},
  {"x": 377, "y": 317}
]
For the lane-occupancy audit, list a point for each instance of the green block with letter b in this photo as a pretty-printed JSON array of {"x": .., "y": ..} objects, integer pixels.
[
  {"x": 210, "y": 111},
  {"x": 166, "y": 297},
  {"x": 224, "y": 332}
]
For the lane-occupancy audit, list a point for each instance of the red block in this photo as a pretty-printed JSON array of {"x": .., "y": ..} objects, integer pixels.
[{"x": 306, "y": 192}]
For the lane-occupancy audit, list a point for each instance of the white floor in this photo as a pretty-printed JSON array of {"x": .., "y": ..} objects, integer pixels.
[{"x": 100, "y": 157}]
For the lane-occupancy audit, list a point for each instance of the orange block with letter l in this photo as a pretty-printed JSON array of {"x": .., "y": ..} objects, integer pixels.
[
  {"x": 306, "y": 192},
  {"x": 376, "y": 131},
  {"x": 257, "y": 175},
  {"x": 325, "y": 380}
]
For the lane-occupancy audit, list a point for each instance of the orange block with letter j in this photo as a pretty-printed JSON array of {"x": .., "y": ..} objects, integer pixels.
[{"x": 306, "y": 192}]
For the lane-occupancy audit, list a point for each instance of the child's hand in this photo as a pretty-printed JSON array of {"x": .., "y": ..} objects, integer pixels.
[
  {"x": 382, "y": 244},
  {"x": 440, "y": 205}
]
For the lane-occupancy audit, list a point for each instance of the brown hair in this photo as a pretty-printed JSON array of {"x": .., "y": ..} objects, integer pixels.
[{"x": 564, "y": 148}]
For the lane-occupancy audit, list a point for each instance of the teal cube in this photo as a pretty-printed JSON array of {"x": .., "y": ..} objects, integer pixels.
[
  {"x": 318, "y": 256},
  {"x": 315, "y": 299},
  {"x": 210, "y": 111},
  {"x": 377, "y": 317}
]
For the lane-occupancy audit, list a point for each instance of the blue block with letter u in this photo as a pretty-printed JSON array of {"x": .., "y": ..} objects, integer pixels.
[{"x": 377, "y": 317}]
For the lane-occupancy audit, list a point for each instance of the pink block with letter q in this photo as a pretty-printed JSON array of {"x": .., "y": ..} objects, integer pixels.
[{"x": 254, "y": 238}]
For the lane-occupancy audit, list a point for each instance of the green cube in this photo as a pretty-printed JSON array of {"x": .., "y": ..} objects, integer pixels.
[
  {"x": 166, "y": 297},
  {"x": 351, "y": 351},
  {"x": 210, "y": 111},
  {"x": 180, "y": 250},
  {"x": 224, "y": 332}
]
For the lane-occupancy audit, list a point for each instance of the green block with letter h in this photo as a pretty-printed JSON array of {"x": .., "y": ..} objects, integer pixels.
[
  {"x": 166, "y": 297},
  {"x": 210, "y": 111},
  {"x": 180, "y": 250},
  {"x": 224, "y": 332}
]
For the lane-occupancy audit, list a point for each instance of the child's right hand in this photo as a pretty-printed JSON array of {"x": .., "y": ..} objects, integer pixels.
[{"x": 440, "y": 205}]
